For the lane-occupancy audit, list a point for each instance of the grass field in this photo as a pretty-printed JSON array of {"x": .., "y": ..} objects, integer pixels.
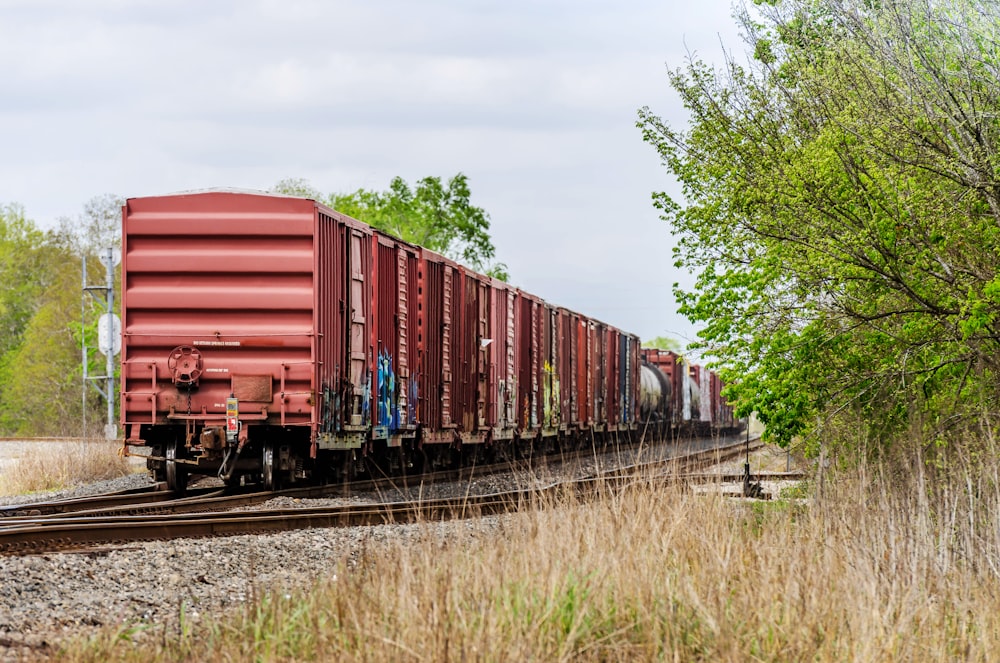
[
  {"x": 897, "y": 565},
  {"x": 31, "y": 467}
]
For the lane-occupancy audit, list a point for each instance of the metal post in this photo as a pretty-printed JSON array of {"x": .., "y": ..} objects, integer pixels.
[
  {"x": 751, "y": 488},
  {"x": 111, "y": 429},
  {"x": 83, "y": 339},
  {"x": 109, "y": 340},
  {"x": 746, "y": 466}
]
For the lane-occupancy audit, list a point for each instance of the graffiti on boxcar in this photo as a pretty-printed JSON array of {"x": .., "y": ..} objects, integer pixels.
[
  {"x": 624, "y": 379},
  {"x": 550, "y": 406},
  {"x": 387, "y": 410},
  {"x": 366, "y": 399},
  {"x": 506, "y": 404},
  {"x": 531, "y": 400},
  {"x": 413, "y": 401},
  {"x": 326, "y": 413}
]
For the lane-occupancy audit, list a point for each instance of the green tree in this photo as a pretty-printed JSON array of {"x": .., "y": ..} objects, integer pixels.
[
  {"x": 41, "y": 396},
  {"x": 42, "y": 329},
  {"x": 438, "y": 216},
  {"x": 22, "y": 273},
  {"x": 842, "y": 214}
]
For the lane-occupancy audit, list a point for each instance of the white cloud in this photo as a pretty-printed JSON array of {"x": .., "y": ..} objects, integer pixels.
[{"x": 535, "y": 101}]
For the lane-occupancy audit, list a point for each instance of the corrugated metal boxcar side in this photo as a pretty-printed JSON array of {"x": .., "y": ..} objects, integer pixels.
[
  {"x": 263, "y": 298},
  {"x": 531, "y": 323},
  {"x": 584, "y": 372},
  {"x": 394, "y": 340},
  {"x": 552, "y": 413},
  {"x": 466, "y": 346},
  {"x": 566, "y": 366},
  {"x": 436, "y": 368},
  {"x": 469, "y": 324},
  {"x": 501, "y": 348},
  {"x": 631, "y": 347},
  {"x": 614, "y": 384},
  {"x": 722, "y": 410},
  {"x": 343, "y": 291},
  {"x": 625, "y": 416},
  {"x": 599, "y": 374}
]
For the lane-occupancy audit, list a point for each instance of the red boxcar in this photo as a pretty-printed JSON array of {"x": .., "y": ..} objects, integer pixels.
[
  {"x": 274, "y": 338},
  {"x": 246, "y": 319},
  {"x": 394, "y": 339},
  {"x": 436, "y": 286},
  {"x": 454, "y": 365},
  {"x": 530, "y": 360},
  {"x": 501, "y": 351}
]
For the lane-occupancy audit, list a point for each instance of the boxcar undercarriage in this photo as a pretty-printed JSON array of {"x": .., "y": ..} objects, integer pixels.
[{"x": 273, "y": 457}]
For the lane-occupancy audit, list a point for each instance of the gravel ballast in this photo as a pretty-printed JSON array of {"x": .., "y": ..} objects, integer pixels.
[{"x": 52, "y": 597}]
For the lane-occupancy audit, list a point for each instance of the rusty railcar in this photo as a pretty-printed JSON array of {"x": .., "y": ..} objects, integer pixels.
[
  {"x": 273, "y": 339},
  {"x": 665, "y": 382},
  {"x": 530, "y": 361},
  {"x": 500, "y": 346},
  {"x": 467, "y": 359},
  {"x": 623, "y": 379},
  {"x": 246, "y": 334},
  {"x": 394, "y": 342},
  {"x": 722, "y": 411},
  {"x": 683, "y": 397}
]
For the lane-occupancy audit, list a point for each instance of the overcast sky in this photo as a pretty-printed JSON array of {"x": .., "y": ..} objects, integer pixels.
[{"x": 535, "y": 101}]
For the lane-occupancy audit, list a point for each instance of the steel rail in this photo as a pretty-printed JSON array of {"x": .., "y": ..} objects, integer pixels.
[
  {"x": 209, "y": 499},
  {"x": 201, "y": 507},
  {"x": 133, "y": 498}
]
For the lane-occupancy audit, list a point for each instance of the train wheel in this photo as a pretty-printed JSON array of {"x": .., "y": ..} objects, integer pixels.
[
  {"x": 418, "y": 460},
  {"x": 268, "y": 470},
  {"x": 177, "y": 473}
]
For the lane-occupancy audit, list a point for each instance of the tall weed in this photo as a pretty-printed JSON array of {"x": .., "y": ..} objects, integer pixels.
[
  {"x": 48, "y": 466},
  {"x": 898, "y": 562}
]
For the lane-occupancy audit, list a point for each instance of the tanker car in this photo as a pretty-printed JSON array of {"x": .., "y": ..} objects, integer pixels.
[
  {"x": 681, "y": 399},
  {"x": 271, "y": 339}
]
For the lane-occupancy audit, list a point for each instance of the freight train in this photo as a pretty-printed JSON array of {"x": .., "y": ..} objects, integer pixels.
[{"x": 271, "y": 339}]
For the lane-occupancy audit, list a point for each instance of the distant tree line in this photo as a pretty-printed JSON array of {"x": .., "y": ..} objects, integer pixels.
[
  {"x": 841, "y": 207},
  {"x": 44, "y": 319}
]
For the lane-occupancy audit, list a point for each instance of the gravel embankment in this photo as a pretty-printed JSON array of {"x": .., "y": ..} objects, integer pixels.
[{"x": 48, "y": 598}]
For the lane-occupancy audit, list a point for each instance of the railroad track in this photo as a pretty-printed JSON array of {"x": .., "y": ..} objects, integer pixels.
[
  {"x": 201, "y": 517},
  {"x": 136, "y": 497},
  {"x": 157, "y": 499}
]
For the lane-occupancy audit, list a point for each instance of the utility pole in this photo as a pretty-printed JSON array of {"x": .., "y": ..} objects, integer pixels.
[
  {"x": 83, "y": 341},
  {"x": 109, "y": 337}
]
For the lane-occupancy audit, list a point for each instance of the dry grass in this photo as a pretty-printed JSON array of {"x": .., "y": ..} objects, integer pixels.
[
  {"x": 881, "y": 568},
  {"x": 56, "y": 465}
]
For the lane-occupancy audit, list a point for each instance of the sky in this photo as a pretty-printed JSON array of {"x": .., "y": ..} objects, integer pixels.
[{"x": 536, "y": 102}]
